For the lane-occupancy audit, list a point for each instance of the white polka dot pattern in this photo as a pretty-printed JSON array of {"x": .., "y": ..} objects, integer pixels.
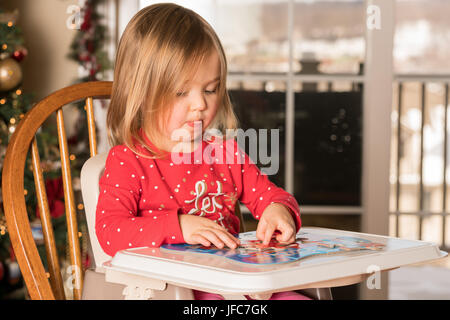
[{"x": 142, "y": 198}]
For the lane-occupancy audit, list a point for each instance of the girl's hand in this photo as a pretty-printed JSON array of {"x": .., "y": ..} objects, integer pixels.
[
  {"x": 200, "y": 230},
  {"x": 276, "y": 217}
]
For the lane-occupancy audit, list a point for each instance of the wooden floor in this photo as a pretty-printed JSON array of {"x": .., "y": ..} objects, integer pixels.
[{"x": 444, "y": 263}]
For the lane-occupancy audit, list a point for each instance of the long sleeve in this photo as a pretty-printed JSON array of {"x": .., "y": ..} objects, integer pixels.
[
  {"x": 124, "y": 217},
  {"x": 258, "y": 191}
]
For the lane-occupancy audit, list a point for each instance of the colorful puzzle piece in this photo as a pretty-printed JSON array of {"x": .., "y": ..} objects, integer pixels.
[{"x": 253, "y": 251}]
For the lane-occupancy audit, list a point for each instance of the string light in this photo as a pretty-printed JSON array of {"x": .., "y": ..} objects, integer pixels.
[
  {"x": 4, "y": 46},
  {"x": 10, "y": 24},
  {"x": 2, "y": 101},
  {"x": 18, "y": 92},
  {"x": 72, "y": 157},
  {"x": 3, "y": 226}
]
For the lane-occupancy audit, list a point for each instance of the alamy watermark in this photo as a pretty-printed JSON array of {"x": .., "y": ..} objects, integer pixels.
[
  {"x": 219, "y": 152},
  {"x": 74, "y": 278},
  {"x": 73, "y": 22},
  {"x": 374, "y": 280},
  {"x": 373, "y": 17}
]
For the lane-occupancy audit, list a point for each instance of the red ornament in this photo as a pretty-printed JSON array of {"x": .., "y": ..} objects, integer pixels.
[
  {"x": 55, "y": 194},
  {"x": 86, "y": 25},
  {"x": 18, "y": 55},
  {"x": 2, "y": 271},
  {"x": 84, "y": 57},
  {"x": 87, "y": 262},
  {"x": 90, "y": 46}
]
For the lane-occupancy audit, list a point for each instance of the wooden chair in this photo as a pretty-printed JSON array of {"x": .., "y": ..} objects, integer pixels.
[
  {"x": 25, "y": 249},
  {"x": 49, "y": 285}
]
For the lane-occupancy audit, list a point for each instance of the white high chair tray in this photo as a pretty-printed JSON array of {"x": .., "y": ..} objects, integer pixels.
[{"x": 218, "y": 274}]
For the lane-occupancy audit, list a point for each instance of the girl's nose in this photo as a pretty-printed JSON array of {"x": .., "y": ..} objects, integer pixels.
[
  {"x": 198, "y": 107},
  {"x": 198, "y": 103}
]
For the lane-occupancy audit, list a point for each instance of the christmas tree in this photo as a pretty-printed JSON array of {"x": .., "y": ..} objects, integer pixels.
[
  {"x": 88, "y": 50},
  {"x": 14, "y": 103}
]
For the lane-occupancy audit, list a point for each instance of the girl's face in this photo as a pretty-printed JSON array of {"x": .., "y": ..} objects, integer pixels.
[{"x": 195, "y": 106}]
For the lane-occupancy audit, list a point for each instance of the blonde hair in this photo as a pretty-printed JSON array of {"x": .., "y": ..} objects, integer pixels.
[{"x": 161, "y": 47}]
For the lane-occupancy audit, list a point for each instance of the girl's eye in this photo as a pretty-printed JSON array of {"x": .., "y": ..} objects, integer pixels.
[
  {"x": 180, "y": 94},
  {"x": 211, "y": 91}
]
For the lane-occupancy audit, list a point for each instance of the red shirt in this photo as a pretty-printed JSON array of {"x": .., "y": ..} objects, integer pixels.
[{"x": 140, "y": 199}]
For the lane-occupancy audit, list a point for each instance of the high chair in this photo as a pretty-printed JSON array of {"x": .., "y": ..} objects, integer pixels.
[
  {"x": 91, "y": 284},
  {"x": 90, "y": 175}
]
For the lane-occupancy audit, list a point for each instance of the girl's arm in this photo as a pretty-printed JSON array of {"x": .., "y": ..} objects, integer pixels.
[{"x": 117, "y": 224}]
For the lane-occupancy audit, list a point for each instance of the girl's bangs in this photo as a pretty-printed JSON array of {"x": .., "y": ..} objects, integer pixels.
[{"x": 190, "y": 64}]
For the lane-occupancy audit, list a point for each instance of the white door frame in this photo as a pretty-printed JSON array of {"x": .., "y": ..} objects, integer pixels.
[{"x": 377, "y": 109}]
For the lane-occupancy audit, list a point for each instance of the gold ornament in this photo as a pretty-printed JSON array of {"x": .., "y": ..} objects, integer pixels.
[{"x": 10, "y": 74}]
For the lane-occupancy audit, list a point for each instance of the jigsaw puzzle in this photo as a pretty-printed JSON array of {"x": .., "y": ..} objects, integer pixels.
[{"x": 252, "y": 251}]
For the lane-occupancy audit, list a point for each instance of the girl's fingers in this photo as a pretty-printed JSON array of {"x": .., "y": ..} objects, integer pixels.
[
  {"x": 216, "y": 226},
  {"x": 211, "y": 236},
  {"x": 197, "y": 238},
  {"x": 287, "y": 236},
  {"x": 268, "y": 234},
  {"x": 261, "y": 230},
  {"x": 287, "y": 233},
  {"x": 227, "y": 238}
]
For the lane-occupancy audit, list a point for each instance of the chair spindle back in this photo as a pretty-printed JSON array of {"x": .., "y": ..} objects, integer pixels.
[{"x": 19, "y": 228}]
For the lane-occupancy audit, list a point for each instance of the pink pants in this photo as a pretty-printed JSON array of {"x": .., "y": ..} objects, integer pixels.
[{"x": 288, "y": 295}]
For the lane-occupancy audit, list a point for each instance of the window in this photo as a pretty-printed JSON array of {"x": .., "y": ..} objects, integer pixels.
[
  {"x": 422, "y": 37},
  {"x": 419, "y": 156},
  {"x": 285, "y": 40}
]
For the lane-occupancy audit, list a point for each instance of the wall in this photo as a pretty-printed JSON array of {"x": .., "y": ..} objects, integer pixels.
[{"x": 47, "y": 40}]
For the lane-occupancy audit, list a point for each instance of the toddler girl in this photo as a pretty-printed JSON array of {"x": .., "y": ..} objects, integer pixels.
[{"x": 164, "y": 183}]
